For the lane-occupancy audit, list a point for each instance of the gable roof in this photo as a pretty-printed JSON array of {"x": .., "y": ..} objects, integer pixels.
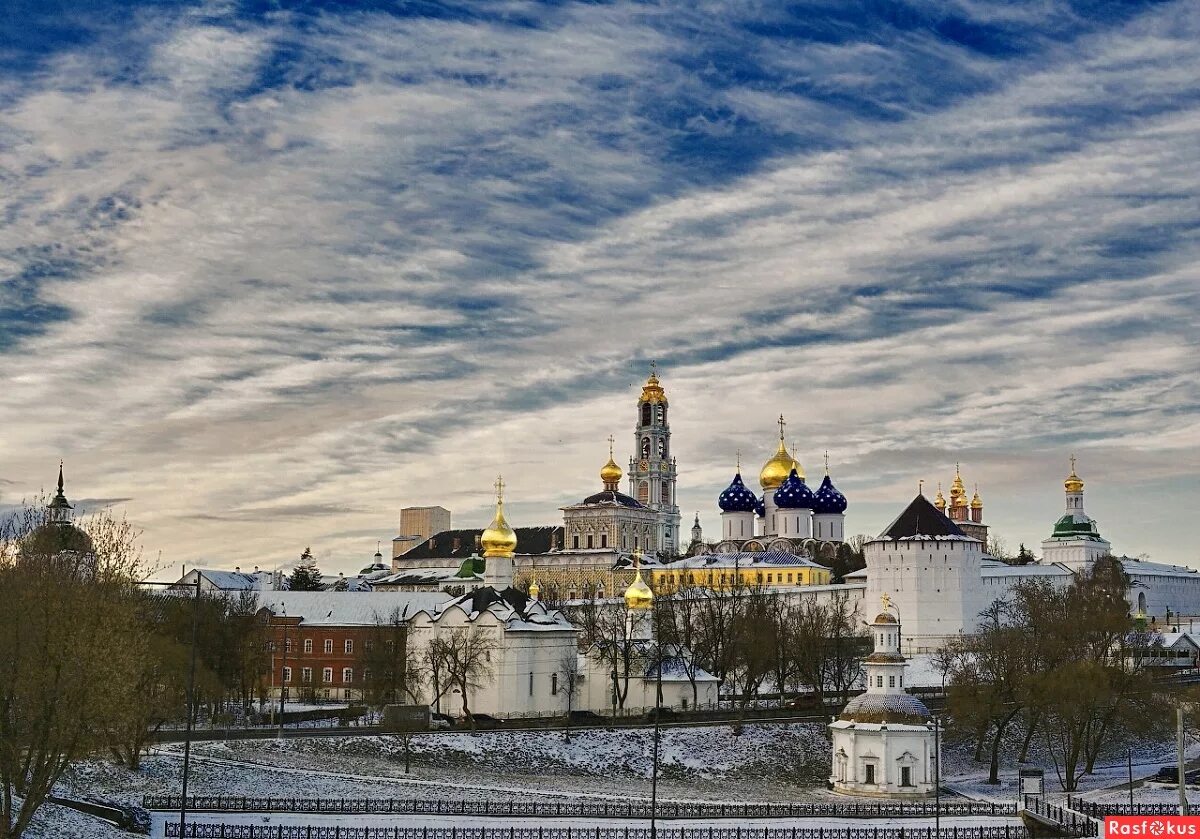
[
  {"x": 348, "y": 608},
  {"x": 921, "y": 519},
  {"x": 460, "y": 543}
]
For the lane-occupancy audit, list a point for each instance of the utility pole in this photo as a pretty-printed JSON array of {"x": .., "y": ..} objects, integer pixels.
[
  {"x": 283, "y": 687},
  {"x": 1183, "y": 805},
  {"x": 937, "y": 775}
]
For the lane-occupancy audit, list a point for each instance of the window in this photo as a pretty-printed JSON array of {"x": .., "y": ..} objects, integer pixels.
[
  {"x": 870, "y": 772},
  {"x": 770, "y": 578},
  {"x": 349, "y": 646},
  {"x": 589, "y": 540},
  {"x": 604, "y": 540},
  {"x": 554, "y": 684},
  {"x": 531, "y": 683},
  {"x": 891, "y": 681},
  {"x": 307, "y": 645},
  {"x": 879, "y": 681},
  {"x": 906, "y": 776},
  {"x": 571, "y": 595},
  {"x": 600, "y": 594},
  {"x": 575, "y": 541},
  {"x": 328, "y": 645},
  {"x": 645, "y": 447},
  {"x": 327, "y": 675},
  {"x": 368, "y": 645},
  {"x": 287, "y": 645},
  {"x": 348, "y": 694},
  {"x": 270, "y": 646},
  {"x": 306, "y": 675},
  {"x": 347, "y": 675},
  {"x": 789, "y": 578},
  {"x": 325, "y": 693},
  {"x": 287, "y": 674},
  {"x": 366, "y": 675}
]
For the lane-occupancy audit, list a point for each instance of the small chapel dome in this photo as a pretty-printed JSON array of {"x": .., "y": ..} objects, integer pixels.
[
  {"x": 793, "y": 493},
  {"x": 886, "y": 708},
  {"x": 736, "y": 498},
  {"x": 499, "y": 539},
  {"x": 885, "y": 617},
  {"x": 639, "y": 595},
  {"x": 1073, "y": 483},
  {"x": 827, "y": 499}
]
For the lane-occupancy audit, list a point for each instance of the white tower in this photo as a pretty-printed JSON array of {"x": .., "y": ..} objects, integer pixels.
[
  {"x": 883, "y": 741},
  {"x": 829, "y": 510},
  {"x": 652, "y": 470},
  {"x": 1076, "y": 541}
]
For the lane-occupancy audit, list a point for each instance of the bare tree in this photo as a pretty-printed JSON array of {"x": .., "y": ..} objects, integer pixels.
[
  {"x": 569, "y": 684},
  {"x": 467, "y": 652},
  {"x": 389, "y": 667},
  {"x": 70, "y": 640}
]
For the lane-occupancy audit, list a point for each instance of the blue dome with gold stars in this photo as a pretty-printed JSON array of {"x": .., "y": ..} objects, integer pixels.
[
  {"x": 827, "y": 499},
  {"x": 760, "y": 508},
  {"x": 793, "y": 494},
  {"x": 736, "y": 498}
]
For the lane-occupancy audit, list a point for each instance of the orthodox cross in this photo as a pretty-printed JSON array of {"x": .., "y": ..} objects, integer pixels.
[
  {"x": 1072, "y": 464},
  {"x": 781, "y": 425},
  {"x": 499, "y": 487},
  {"x": 921, "y": 487},
  {"x": 610, "y": 445},
  {"x": 827, "y": 461}
]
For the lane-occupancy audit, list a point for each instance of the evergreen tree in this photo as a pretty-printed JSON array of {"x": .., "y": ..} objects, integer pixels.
[{"x": 306, "y": 576}]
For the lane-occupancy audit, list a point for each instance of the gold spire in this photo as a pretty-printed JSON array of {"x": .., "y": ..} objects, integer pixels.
[
  {"x": 976, "y": 501},
  {"x": 652, "y": 391},
  {"x": 940, "y": 500},
  {"x": 1073, "y": 483},
  {"x": 776, "y": 470},
  {"x": 610, "y": 473},
  {"x": 499, "y": 539},
  {"x": 638, "y": 595}
]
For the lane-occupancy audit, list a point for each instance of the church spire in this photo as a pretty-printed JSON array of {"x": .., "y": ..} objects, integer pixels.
[{"x": 60, "y": 509}]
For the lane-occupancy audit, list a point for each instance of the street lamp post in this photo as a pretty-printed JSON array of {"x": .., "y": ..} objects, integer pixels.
[
  {"x": 283, "y": 688},
  {"x": 937, "y": 775},
  {"x": 191, "y": 697},
  {"x": 658, "y": 654}
]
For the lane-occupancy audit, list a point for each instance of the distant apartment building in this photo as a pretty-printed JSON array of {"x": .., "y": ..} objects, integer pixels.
[{"x": 416, "y": 525}]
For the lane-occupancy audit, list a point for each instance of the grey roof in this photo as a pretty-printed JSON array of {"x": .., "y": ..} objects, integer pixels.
[
  {"x": 744, "y": 559},
  {"x": 921, "y": 519},
  {"x": 885, "y": 707},
  {"x": 348, "y": 608}
]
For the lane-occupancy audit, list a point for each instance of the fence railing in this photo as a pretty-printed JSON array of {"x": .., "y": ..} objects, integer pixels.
[
  {"x": 1099, "y": 811},
  {"x": 1072, "y": 823},
  {"x": 248, "y": 831},
  {"x": 580, "y": 809}
]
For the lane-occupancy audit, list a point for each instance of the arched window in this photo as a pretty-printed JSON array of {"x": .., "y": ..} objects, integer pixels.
[
  {"x": 646, "y": 413},
  {"x": 645, "y": 447},
  {"x": 644, "y": 492},
  {"x": 662, "y": 415},
  {"x": 666, "y": 493},
  {"x": 662, "y": 447}
]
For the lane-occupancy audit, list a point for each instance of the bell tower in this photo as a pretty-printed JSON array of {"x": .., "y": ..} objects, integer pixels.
[{"x": 652, "y": 468}]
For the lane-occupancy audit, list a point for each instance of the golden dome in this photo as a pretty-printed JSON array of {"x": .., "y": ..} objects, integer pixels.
[
  {"x": 610, "y": 473},
  {"x": 940, "y": 500},
  {"x": 1073, "y": 483},
  {"x": 639, "y": 595},
  {"x": 957, "y": 490},
  {"x": 652, "y": 391},
  {"x": 534, "y": 589},
  {"x": 499, "y": 539},
  {"x": 776, "y": 470},
  {"x": 976, "y": 501}
]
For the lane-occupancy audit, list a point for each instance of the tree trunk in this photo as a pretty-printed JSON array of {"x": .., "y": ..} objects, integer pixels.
[
  {"x": 980, "y": 736},
  {"x": 1035, "y": 717},
  {"x": 994, "y": 771}
]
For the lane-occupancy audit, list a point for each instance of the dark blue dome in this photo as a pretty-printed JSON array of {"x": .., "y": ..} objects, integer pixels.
[
  {"x": 793, "y": 494},
  {"x": 760, "y": 508},
  {"x": 827, "y": 499},
  {"x": 736, "y": 498}
]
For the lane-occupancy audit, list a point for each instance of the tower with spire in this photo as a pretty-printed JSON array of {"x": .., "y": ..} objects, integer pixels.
[
  {"x": 965, "y": 512},
  {"x": 1076, "y": 541},
  {"x": 652, "y": 469}
]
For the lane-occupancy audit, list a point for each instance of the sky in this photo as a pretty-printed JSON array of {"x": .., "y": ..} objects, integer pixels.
[{"x": 270, "y": 271}]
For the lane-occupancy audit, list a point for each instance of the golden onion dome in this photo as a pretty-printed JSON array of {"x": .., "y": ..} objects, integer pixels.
[
  {"x": 776, "y": 470},
  {"x": 976, "y": 501},
  {"x": 499, "y": 539},
  {"x": 639, "y": 595},
  {"x": 1073, "y": 483},
  {"x": 652, "y": 391},
  {"x": 940, "y": 500},
  {"x": 610, "y": 473},
  {"x": 534, "y": 589}
]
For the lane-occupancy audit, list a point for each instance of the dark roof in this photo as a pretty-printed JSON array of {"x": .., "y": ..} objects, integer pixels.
[
  {"x": 530, "y": 540},
  {"x": 921, "y": 518},
  {"x": 481, "y": 598},
  {"x": 609, "y": 496}
]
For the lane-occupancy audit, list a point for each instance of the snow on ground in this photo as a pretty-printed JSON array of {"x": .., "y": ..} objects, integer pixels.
[
  {"x": 54, "y": 822},
  {"x": 765, "y": 761}
]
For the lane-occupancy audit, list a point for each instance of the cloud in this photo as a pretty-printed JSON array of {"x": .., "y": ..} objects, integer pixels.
[{"x": 285, "y": 273}]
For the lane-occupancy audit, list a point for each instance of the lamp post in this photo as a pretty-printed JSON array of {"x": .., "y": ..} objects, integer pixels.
[
  {"x": 937, "y": 775},
  {"x": 283, "y": 688},
  {"x": 191, "y": 697},
  {"x": 658, "y": 655}
]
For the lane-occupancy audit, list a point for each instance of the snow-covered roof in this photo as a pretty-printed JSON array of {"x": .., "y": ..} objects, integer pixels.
[
  {"x": 231, "y": 580},
  {"x": 513, "y": 608},
  {"x": 744, "y": 559},
  {"x": 421, "y": 576},
  {"x": 1155, "y": 569},
  {"x": 1033, "y": 569},
  {"x": 348, "y": 608},
  {"x": 1179, "y": 640}
]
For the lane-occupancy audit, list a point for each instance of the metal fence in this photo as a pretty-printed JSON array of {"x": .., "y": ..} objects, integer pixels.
[
  {"x": 1072, "y": 823},
  {"x": 1099, "y": 811},
  {"x": 581, "y": 809},
  {"x": 249, "y": 831}
]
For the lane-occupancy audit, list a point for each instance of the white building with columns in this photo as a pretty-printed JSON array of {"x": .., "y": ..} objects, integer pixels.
[{"x": 883, "y": 741}]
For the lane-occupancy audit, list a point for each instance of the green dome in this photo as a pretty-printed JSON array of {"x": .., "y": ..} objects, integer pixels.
[
  {"x": 1068, "y": 527},
  {"x": 53, "y": 538}
]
